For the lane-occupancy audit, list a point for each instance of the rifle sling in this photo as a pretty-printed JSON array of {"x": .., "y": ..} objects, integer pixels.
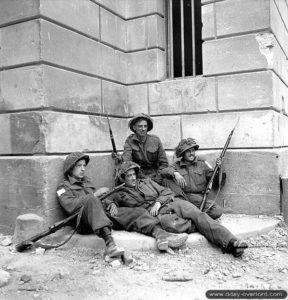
[
  {"x": 219, "y": 188},
  {"x": 49, "y": 246}
]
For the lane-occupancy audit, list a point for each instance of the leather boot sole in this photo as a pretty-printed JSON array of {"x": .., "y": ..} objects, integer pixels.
[
  {"x": 238, "y": 248},
  {"x": 177, "y": 240},
  {"x": 115, "y": 251},
  {"x": 162, "y": 244}
]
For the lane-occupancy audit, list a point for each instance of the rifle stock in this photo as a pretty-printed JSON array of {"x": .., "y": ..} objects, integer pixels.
[
  {"x": 55, "y": 227},
  {"x": 216, "y": 168}
]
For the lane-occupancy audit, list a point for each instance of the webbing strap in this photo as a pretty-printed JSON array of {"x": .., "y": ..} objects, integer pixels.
[
  {"x": 219, "y": 188},
  {"x": 49, "y": 246}
]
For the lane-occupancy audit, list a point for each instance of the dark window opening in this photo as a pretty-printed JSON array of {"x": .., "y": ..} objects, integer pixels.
[{"x": 184, "y": 38}]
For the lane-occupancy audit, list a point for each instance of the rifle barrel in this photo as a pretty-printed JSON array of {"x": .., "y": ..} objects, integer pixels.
[
  {"x": 209, "y": 185},
  {"x": 111, "y": 136}
]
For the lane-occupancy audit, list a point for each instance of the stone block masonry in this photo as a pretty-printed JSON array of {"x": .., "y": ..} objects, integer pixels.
[
  {"x": 180, "y": 96},
  {"x": 52, "y": 132},
  {"x": 261, "y": 129},
  {"x": 65, "y": 64},
  {"x": 43, "y": 86},
  {"x": 29, "y": 184},
  {"x": 62, "y": 68},
  {"x": 249, "y": 188},
  {"x": 253, "y": 52}
]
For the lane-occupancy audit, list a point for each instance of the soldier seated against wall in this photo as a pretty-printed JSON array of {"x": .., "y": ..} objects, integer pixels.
[
  {"x": 156, "y": 201},
  {"x": 144, "y": 149},
  {"x": 77, "y": 191},
  {"x": 189, "y": 176}
]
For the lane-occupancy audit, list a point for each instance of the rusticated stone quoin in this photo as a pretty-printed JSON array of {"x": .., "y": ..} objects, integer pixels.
[{"x": 63, "y": 66}]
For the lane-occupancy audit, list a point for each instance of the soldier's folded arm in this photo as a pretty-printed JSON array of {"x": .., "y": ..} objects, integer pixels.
[
  {"x": 68, "y": 201},
  {"x": 111, "y": 205},
  {"x": 127, "y": 153},
  {"x": 165, "y": 194},
  {"x": 112, "y": 199},
  {"x": 168, "y": 172}
]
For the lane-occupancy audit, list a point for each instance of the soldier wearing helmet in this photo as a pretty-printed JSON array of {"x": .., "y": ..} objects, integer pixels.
[
  {"x": 157, "y": 201},
  {"x": 130, "y": 198},
  {"x": 144, "y": 149},
  {"x": 190, "y": 176},
  {"x": 77, "y": 191}
]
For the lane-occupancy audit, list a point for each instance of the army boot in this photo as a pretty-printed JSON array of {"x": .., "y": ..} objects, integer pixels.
[
  {"x": 112, "y": 249},
  {"x": 236, "y": 247},
  {"x": 164, "y": 239}
]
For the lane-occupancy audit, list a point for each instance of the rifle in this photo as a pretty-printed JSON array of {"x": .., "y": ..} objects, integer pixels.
[
  {"x": 216, "y": 168},
  {"x": 111, "y": 136},
  {"x": 32, "y": 241},
  {"x": 117, "y": 159}
]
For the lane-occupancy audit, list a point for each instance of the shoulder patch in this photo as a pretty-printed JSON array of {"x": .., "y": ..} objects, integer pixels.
[
  {"x": 206, "y": 162},
  {"x": 60, "y": 192}
]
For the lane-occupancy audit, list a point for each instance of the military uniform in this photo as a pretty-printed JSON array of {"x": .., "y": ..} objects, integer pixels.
[
  {"x": 197, "y": 175},
  {"x": 147, "y": 192},
  {"x": 150, "y": 154},
  {"x": 73, "y": 194},
  {"x": 76, "y": 193}
]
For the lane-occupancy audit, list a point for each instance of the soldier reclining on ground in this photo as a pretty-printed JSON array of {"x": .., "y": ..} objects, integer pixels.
[{"x": 156, "y": 201}]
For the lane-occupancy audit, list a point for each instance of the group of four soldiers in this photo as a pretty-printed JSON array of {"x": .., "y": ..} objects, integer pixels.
[{"x": 155, "y": 199}]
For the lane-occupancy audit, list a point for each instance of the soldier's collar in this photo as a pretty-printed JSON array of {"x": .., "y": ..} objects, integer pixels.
[
  {"x": 135, "y": 138},
  {"x": 73, "y": 180},
  {"x": 184, "y": 163}
]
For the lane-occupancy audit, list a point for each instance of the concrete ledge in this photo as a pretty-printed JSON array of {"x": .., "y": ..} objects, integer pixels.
[{"x": 242, "y": 226}]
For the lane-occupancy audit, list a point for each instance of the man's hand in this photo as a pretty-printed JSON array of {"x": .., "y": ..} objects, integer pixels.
[
  {"x": 117, "y": 157},
  {"x": 219, "y": 161},
  {"x": 155, "y": 209},
  {"x": 113, "y": 210},
  {"x": 180, "y": 179},
  {"x": 101, "y": 192}
]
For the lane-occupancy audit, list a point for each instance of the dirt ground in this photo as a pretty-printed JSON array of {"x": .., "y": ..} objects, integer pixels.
[{"x": 84, "y": 274}]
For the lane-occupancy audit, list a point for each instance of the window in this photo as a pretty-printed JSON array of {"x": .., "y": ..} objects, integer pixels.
[{"x": 184, "y": 38}]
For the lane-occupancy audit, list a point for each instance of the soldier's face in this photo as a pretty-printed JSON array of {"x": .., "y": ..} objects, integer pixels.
[
  {"x": 189, "y": 154},
  {"x": 130, "y": 178},
  {"x": 141, "y": 127},
  {"x": 78, "y": 171}
]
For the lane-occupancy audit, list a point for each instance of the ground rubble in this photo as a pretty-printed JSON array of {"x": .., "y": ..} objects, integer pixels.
[{"x": 80, "y": 273}]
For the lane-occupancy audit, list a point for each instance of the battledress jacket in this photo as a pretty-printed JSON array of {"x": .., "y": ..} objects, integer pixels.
[
  {"x": 144, "y": 195},
  {"x": 150, "y": 155},
  {"x": 196, "y": 174},
  {"x": 72, "y": 194}
]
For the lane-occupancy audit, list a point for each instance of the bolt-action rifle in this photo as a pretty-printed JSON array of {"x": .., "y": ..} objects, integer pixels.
[
  {"x": 32, "y": 241},
  {"x": 117, "y": 158},
  {"x": 111, "y": 137},
  {"x": 216, "y": 169}
]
